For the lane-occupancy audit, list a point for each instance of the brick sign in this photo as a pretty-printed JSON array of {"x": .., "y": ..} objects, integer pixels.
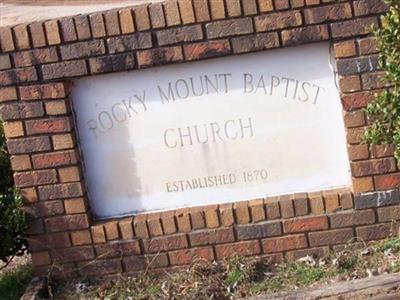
[{"x": 210, "y": 132}]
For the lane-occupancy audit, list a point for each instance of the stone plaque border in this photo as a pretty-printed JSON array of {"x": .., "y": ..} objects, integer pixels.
[{"x": 38, "y": 60}]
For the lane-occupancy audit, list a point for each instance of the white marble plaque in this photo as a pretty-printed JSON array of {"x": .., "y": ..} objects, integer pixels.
[{"x": 214, "y": 131}]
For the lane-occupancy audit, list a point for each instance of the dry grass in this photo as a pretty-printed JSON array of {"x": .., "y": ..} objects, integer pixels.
[{"x": 242, "y": 277}]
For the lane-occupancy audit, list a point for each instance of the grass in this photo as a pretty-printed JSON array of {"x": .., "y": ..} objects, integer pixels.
[
  {"x": 14, "y": 282},
  {"x": 242, "y": 277}
]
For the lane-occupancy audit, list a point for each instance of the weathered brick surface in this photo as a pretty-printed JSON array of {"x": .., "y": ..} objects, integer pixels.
[
  {"x": 126, "y": 21},
  {"x": 35, "y": 57},
  {"x": 156, "y": 15},
  {"x": 73, "y": 254},
  {"x": 129, "y": 42},
  {"x": 201, "y": 10},
  {"x": 211, "y": 237},
  {"x": 142, "y": 18},
  {"x": 15, "y": 76},
  {"x": 353, "y": 27},
  {"x": 255, "y": 42},
  {"x": 206, "y": 49},
  {"x": 328, "y": 13},
  {"x": 28, "y": 145},
  {"x": 352, "y": 66},
  {"x": 278, "y": 21},
  {"x": 82, "y": 27},
  {"x": 305, "y": 35},
  {"x": 74, "y": 206},
  {"x": 388, "y": 214},
  {"x": 331, "y": 237},
  {"x": 179, "y": 34},
  {"x": 375, "y": 232},
  {"x": 13, "y": 129},
  {"x": 26, "y": 179},
  {"x": 5, "y": 62},
  {"x": 305, "y": 224},
  {"x": 81, "y": 237},
  {"x": 111, "y": 22},
  {"x": 345, "y": 49},
  {"x": 377, "y": 199},
  {"x": 285, "y": 243},
  {"x": 159, "y": 56},
  {"x": 21, "y": 111},
  {"x": 67, "y": 29},
  {"x": 172, "y": 16},
  {"x": 352, "y": 218},
  {"x": 64, "y": 69},
  {"x": 37, "y": 34},
  {"x": 20, "y": 162},
  {"x": 242, "y": 249},
  {"x": 52, "y": 32},
  {"x": 385, "y": 182},
  {"x": 221, "y": 29},
  {"x": 6, "y": 39},
  {"x": 82, "y": 49},
  {"x": 188, "y": 256},
  {"x": 259, "y": 230},
  {"x": 41, "y": 126},
  {"x": 118, "y": 249},
  {"x": 8, "y": 93},
  {"x": 54, "y": 159},
  {"x": 68, "y": 190},
  {"x": 368, "y": 7},
  {"x": 160, "y": 244},
  {"x": 357, "y": 100},
  {"x": 63, "y": 223},
  {"x": 373, "y": 167},
  {"x": 111, "y": 230},
  {"x": 44, "y": 91},
  {"x": 97, "y": 25}
]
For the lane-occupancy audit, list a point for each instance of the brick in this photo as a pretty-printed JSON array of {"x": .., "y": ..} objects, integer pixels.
[
  {"x": 165, "y": 243},
  {"x": 62, "y": 141},
  {"x": 277, "y": 20},
  {"x": 201, "y": 10},
  {"x": 168, "y": 222},
  {"x": 255, "y": 42},
  {"x": 20, "y": 162},
  {"x": 373, "y": 167},
  {"x": 211, "y": 217},
  {"x": 183, "y": 220},
  {"x": 385, "y": 182},
  {"x": 74, "y": 254},
  {"x": 374, "y": 80},
  {"x": 376, "y": 199},
  {"x": 58, "y": 125},
  {"x": 49, "y": 241},
  {"x": 328, "y": 13},
  {"x": 112, "y": 63},
  {"x": 64, "y": 69},
  {"x": 257, "y": 210},
  {"x": 345, "y": 49},
  {"x": 35, "y": 227},
  {"x": 353, "y": 27},
  {"x": 67, "y": 190},
  {"x": 376, "y": 232},
  {"x": 35, "y": 57},
  {"x": 159, "y": 56},
  {"x": 135, "y": 263},
  {"x": 248, "y": 248},
  {"x": 358, "y": 152},
  {"x": 272, "y": 209},
  {"x": 211, "y": 237},
  {"x": 225, "y": 28},
  {"x": 179, "y": 34},
  {"x": 28, "y": 145},
  {"x": 37, "y": 35},
  {"x": 100, "y": 267},
  {"x": 111, "y": 22},
  {"x": 242, "y": 214},
  {"x": 226, "y": 214},
  {"x": 316, "y": 203},
  {"x": 305, "y": 35},
  {"x": 21, "y": 110},
  {"x": 346, "y": 200},
  {"x": 383, "y": 150},
  {"x": 369, "y": 7},
  {"x": 389, "y": 214},
  {"x": 82, "y": 27},
  {"x": 81, "y": 237},
  {"x": 111, "y": 230},
  {"x": 15, "y": 76},
  {"x": 126, "y": 21},
  {"x": 350, "y": 66},
  {"x": 368, "y": 45},
  {"x": 71, "y": 174},
  {"x": 318, "y": 252},
  {"x": 67, "y": 28},
  {"x": 217, "y": 9},
  {"x": 5, "y": 62},
  {"x": 188, "y": 256},
  {"x": 129, "y": 42},
  {"x": 197, "y": 218},
  {"x": 249, "y": 7},
  {"x": 55, "y": 108},
  {"x": 281, "y": 4},
  {"x": 41, "y": 258},
  {"x": 82, "y": 49},
  {"x": 286, "y": 205},
  {"x": 45, "y": 209},
  {"x": 6, "y": 40},
  {"x": 312, "y": 2},
  {"x": 97, "y": 25},
  {"x": 259, "y": 230},
  {"x": 98, "y": 234},
  {"x": 305, "y": 224},
  {"x": 331, "y": 237},
  {"x": 63, "y": 223},
  {"x": 300, "y": 204},
  {"x": 285, "y": 243},
  {"x": 52, "y": 32},
  {"x": 233, "y": 8},
  {"x": 75, "y": 206},
  {"x": 140, "y": 227},
  {"x": 118, "y": 249},
  {"x": 21, "y": 37},
  {"x": 54, "y": 159},
  {"x": 8, "y": 93},
  {"x": 363, "y": 184},
  {"x": 350, "y": 83},
  {"x": 357, "y": 100},
  {"x": 29, "y": 195},
  {"x": 142, "y": 18},
  {"x": 154, "y": 225},
  {"x": 156, "y": 15},
  {"x": 126, "y": 229},
  {"x": 204, "y": 50},
  {"x": 13, "y": 129},
  {"x": 172, "y": 16},
  {"x": 33, "y": 178},
  {"x": 352, "y": 218},
  {"x": 355, "y": 135},
  {"x": 43, "y": 91},
  {"x": 265, "y": 5},
  {"x": 331, "y": 200}
]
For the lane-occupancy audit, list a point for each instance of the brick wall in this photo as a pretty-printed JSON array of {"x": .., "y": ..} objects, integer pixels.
[{"x": 37, "y": 61}]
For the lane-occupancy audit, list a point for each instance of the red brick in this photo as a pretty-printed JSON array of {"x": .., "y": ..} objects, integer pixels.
[
  {"x": 373, "y": 167},
  {"x": 118, "y": 249},
  {"x": 316, "y": 203},
  {"x": 81, "y": 237},
  {"x": 358, "y": 152},
  {"x": 353, "y": 27},
  {"x": 352, "y": 218},
  {"x": 331, "y": 237},
  {"x": 21, "y": 37},
  {"x": 37, "y": 35},
  {"x": 386, "y": 182},
  {"x": 28, "y": 145},
  {"x": 74, "y": 206},
  {"x": 374, "y": 80},
  {"x": 350, "y": 83},
  {"x": 82, "y": 27},
  {"x": 97, "y": 25},
  {"x": 209, "y": 49},
  {"x": 159, "y": 56},
  {"x": 45, "y": 209},
  {"x": 277, "y": 20},
  {"x": 188, "y": 256},
  {"x": 272, "y": 209},
  {"x": 376, "y": 232},
  {"x": 33, "y": 178},
  {"x": 58, "y": 125},
  {"x": 305, "y": 224},
  {"x": 67, "y": 29},
  {"x": 54, "y": 159},
  {"x": 300, "y": 202},
  {"x": 248, "y": 248},
  {"x": 100, "y": 267},
  {"x": 63, "y": 223},
  {"x": 286, "y": 205},
  {"x": 383, "y": 150},
  {"x": 304, "y": 35},
  {"x": 201, "y": 10},
  {"x": 154, "y": 224},
  {"x": 66, "y": 190},
  {"x": 211, "y": 237},
  {"x": 346, "y": 200},
  {"x": 285, "y": 243},
  {"x": 369, "y": 7},
  {"x": 126, "y": 21},
  {"x": 357, "y": 100},
  {"x": 165, "y": 243},
  {"x": 354, "y": 119},
  {"x": 281, "y": 4},
  {"x": 328, "y": 13},
  {"x": 74, "y": 254},
  {"x": 6, "y": 40},
  {"x": 52, "y": 32}
]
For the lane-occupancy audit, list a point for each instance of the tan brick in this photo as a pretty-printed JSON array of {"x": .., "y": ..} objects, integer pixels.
[
  {"x": 331, "y": 201},
  {"x": 211, "y": 216},
  {"x": 37, "y": 35},
  {"x": 29, "y": 195},
  {"x": 257, "y": 210},
  {"x": 249, "y": 7},
  {"x": 126, "y": 21},
  {"x": 97, "y": 25},
  {"x": 20, "y": 162},
  {"x": 75, "y": 206},
  {"x": 357, "y": 152},
  {"x": 183, "y": 220},
  {"x": 226, "y": 214},
  {"x": 345, "y": 49},
  {"x": 63, "y": 141},
  {"x": 154, "y": 224},
  {"x": 98, "y": 234},
  {"x": 350, "y": 83},
  {"x": 81, "y": 237},
  {"x": 70, "y": 174},
  {"x": 201, "y": 10},
  {"x": 186, "y": 10},
  {"x": 242, "y": 212},
  {"x": 126, "y": 229},
  {"x": 6, "y": 40},
  {"x": 41, "y": 258},
  {"x": 172, "y": 15},
  {"x": 13, "y": 129},
  {"x": 8, "y": 93},
  {"x": 111, "y": 230},
  {"x": 168, "y": 222},
  {"x": 265, "y": 5},
  {"x": 54, "y": 108},
  {"x": 363, "y": 184},
  {"x": 217, "y": 9},
  {"x": 52, "y": 32},
  {"x": 156, "y": 15},
  {"x": 142, "y": 18},
  {"x": 21, "y": 37},
  {"x": 233, "y": 8}
]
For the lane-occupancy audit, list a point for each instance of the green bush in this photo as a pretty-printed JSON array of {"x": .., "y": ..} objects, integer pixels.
[
  {"x": 385, "y": 110},
  {"x": 12, "y": 218}
]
